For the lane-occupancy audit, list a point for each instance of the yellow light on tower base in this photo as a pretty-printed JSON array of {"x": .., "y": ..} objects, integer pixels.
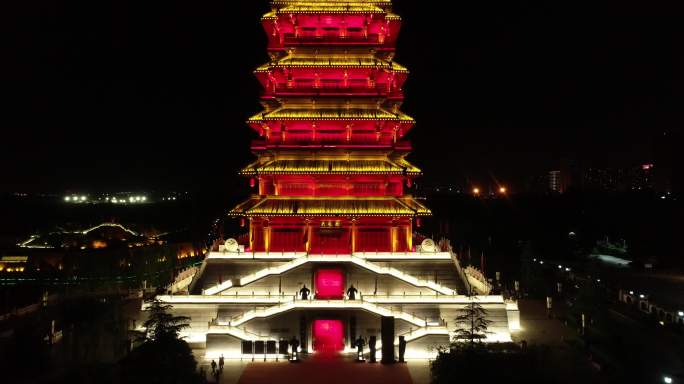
[
  {"x": 503, "y": 190},
  {"x": 476, "y": 191}
]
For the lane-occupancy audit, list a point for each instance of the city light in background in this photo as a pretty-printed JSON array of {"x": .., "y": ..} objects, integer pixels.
[
  {"x": 122, "y": 198},
  {"x": 137, "y": 199}
]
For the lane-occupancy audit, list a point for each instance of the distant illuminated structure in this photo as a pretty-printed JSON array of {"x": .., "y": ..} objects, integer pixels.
[
  {"x": 331, "y": 208},
  {"x": 555, "y": 182},
  {"x": 120, "y": 198}
]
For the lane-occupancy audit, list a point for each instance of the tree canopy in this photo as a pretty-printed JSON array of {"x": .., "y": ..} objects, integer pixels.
[
  {"x": 164, "y": 357},
  {"x": 471, "y": 324},
  {"x": 161, "y": 325}
]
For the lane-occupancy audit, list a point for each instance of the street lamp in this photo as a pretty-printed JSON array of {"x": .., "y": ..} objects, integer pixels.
[
  {"x": 476, "y": 191},
  {"x": 502, "y": 190}
]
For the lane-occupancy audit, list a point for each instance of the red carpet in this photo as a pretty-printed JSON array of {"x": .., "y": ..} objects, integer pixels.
[{"x": 325, "y": 371}]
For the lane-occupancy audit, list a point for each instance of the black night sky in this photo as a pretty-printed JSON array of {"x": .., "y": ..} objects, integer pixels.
[{"x": 153, "y": 94}]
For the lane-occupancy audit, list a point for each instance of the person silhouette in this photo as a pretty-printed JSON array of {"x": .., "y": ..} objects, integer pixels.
[
  {"x": 351, "y": 292},
  {"x": 304, "y": 293},
  {"x": 402, "y": 349},
  {"x": 360, "y": 343},
  {"x": 221, "y": 361},
  {"x": 295, "y": 346},
  {"x": 213, "y": 367}
]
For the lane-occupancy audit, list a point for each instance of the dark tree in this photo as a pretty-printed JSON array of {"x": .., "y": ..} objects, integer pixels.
[
  {"x": 471, "y": 324},
  {"x": 161, "y": 325},
  {"x": 167, "y": 361},
  {"x": 164, "y": 357}
]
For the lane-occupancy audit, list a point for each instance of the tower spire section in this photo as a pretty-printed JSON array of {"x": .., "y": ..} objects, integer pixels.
[{"x": 331, "y": 174}]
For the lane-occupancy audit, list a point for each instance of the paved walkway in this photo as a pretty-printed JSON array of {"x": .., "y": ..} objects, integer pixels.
[
  {"x": 538, "y": 328},
  {"x": 232, "y": 370},
  {"x": 570, "y": 365},
  {"x": 330, "y": 370},
  {"x": 320, "y": 369}
]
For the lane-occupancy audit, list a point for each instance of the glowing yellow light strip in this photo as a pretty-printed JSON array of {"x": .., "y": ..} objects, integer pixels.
[
  {"x": 331, "y": 166},
  {"x": 322, "y": 206},
  {"x": 289, "y": 2},
  {"x": 330, "y": 61},
  {"x": 314, "y": 7},
  {"x": 351, "y": 114}
]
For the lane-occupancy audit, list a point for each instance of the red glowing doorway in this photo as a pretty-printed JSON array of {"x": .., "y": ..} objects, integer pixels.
[
  {"x": 328, "y": 336},
  {"x": 330, "y": 284}
]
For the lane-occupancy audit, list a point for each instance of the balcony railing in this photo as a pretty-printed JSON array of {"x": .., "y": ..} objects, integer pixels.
[
  {"x": 332, "y": 91},
  {"x": 399, "y": 145},
  {"x": 295, "y": 303},
  {"x": 379, "y": 298},
  {"x": 373, "y": 267},
  {"x": 332, "y": 37}
]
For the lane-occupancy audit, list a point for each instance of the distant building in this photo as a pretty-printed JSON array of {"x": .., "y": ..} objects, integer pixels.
[
  {"x": 636, "y": 178},
  {"x": 556, "y": 182},
  {"x": 642, "y": 177}
]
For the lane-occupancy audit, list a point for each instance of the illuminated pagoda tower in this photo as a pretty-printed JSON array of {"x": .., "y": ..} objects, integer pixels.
[
  {"x": 331, "y": 207},
  {"x": 331, "y": 169}
]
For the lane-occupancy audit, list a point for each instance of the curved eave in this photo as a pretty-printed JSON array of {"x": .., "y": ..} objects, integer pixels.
[
  {"x": 276, "y": 3},
  {"x": 394, "y": 68},
  {"x": 330, "y": 214},
  {"x": 329, "y": 206},
  {"x": 332, "y": 167},
  {"x": 261, "y": 117},
  {"x": 274, "y": 16},
  {"x": 253, "y": 172},
  {"x": 332, "y": 10}
]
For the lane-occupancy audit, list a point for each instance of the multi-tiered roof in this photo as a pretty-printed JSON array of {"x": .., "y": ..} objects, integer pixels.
[{"x": 331, "y": 131}]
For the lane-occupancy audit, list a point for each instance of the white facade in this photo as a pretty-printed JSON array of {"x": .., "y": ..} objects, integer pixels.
[{"x": 240, "y": 296}]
